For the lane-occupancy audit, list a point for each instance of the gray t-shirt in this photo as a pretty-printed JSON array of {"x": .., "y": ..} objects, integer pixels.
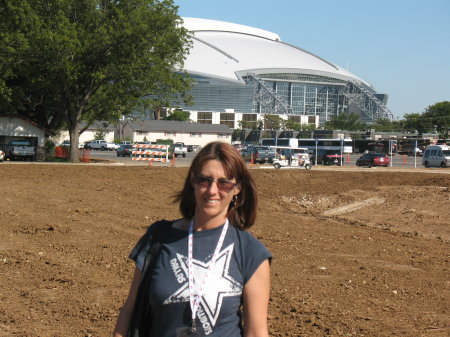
[{"x": 219, "y": 311}]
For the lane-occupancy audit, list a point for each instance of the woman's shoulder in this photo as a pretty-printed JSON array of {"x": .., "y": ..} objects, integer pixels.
[{"x": 160, "y": 225}]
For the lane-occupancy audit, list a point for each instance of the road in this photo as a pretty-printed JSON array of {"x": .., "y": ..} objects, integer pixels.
[{"x": 399, "y": 161}]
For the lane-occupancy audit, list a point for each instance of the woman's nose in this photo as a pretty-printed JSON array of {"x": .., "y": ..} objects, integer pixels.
[{"x": 213, "y": 188}]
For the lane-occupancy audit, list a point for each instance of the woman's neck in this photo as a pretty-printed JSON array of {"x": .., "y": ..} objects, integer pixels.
[{"x": 201, "y": 223}]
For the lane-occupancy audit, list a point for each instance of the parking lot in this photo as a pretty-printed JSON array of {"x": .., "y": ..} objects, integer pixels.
[{"x": 398, "y": 161}]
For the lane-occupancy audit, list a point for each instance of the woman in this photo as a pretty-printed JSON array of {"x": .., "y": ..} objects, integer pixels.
[{"x": 209, "y": 266}]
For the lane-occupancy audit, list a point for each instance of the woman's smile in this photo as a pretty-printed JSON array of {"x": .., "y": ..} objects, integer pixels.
[{"x": 214, "y": 192}]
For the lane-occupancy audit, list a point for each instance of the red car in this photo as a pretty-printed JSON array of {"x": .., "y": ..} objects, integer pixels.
[{"x": 373, "y": 159}]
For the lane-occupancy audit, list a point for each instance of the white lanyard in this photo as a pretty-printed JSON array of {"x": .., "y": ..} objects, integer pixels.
[{"x": 195, "y": 300}]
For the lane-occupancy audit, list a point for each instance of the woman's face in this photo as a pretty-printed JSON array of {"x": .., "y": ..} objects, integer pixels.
[{"x": 213, "y": 191}]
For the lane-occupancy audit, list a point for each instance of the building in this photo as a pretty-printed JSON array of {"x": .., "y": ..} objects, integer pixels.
[
  {"x": 242, "y": 73},
  {"x": 17, "y": 127},
  {"x": 189, "y": 133},
  {"x": 108, "y": 130}
]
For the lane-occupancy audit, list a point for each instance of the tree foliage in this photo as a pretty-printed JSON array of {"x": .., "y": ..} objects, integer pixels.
[
  {"x": 346, "y": 121},
  {"x": 273, "y": 122},
  {"x": 415, "y": 122},
  {"x": 438, "y": 115},
  {"x": 295, "y": 126},
  {"x": 179, "y": 115},
  {"x": 65, "y": 61},
  {"x": 251, "y": 125}
]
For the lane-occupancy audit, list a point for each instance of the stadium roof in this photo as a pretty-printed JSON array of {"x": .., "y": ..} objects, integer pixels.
[{"x": 229, "y": 51}]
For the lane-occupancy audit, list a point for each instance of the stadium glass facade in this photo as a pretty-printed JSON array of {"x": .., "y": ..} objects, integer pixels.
[{"x": 321, "y": 99}]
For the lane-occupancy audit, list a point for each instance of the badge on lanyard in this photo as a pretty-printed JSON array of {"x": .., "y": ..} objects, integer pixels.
[
  {"x": 196, "y": 298},
  {"x": 186, "y": 332}
]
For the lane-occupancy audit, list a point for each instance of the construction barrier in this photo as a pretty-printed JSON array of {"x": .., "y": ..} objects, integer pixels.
[
  {"x": 61, "y": 152},
  {"x": 140, "y": 153},
  {"x": 163, "y": 160},
  {"x": 85, "y": 156}
]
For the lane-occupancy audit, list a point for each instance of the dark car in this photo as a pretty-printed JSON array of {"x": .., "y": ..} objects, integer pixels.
[
  {"x": 373, "y": 159},
  {"x": 190, "y": 148},
  {"x": 332, "y": 157},
  {"x": 258, "y": 153},
  {"x": 328, "y": 157},
  {"x": 124, "y": 150}
]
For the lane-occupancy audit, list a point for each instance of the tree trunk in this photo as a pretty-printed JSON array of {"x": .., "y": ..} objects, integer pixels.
[{"x": 74, "y": 141}]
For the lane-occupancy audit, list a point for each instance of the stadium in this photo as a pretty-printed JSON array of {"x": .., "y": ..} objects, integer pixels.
[{"x": 242, "y": 73}]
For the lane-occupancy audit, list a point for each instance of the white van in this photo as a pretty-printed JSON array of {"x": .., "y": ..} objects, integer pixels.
[{"x": 437, "y": 156}]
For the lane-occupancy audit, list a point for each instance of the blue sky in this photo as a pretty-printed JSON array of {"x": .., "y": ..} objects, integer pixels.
[{"x": 401, "y": 47}]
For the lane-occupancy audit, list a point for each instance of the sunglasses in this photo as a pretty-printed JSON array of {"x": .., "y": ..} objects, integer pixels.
[{"x": 223, "y": 185}]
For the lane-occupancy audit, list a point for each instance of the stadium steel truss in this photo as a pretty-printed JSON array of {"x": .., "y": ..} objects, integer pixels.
[{"x": 272, "y": 103}]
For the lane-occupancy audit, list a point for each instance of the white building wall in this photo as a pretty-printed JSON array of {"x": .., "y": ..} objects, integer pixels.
[
  {"x": 216, "y": 117},
  {"x": 238, "y": 117},
  {"x": 12, "y": 127},
  {"x": 188, "y": 138},
  {"x": 193, "y": 115},
  {"x": 85, "y": 137}
]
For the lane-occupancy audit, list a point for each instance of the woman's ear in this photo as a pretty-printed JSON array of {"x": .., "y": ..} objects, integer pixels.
[{"x": 236, "y": 190}]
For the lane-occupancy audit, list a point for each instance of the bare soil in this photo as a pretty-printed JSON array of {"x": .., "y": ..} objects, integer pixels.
[{"x": 356, "y": 253}]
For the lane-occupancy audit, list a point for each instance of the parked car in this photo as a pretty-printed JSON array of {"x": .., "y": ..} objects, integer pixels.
[
  {"x": 190, "y": 148},
  {"x": 328, "y": 157},
  {"x": 437, "y": 156},
  {"x": 124, "y": 150},
  {"x": 238, "y": 148},
  {"x": 260, "y": 153},
  {"x": 373, "y": 159},
  {"x": 332, "y": 157},
  {"x": 179, "y": 149},
  {"x": 20, "y": 149},
  {"x": 101, "y": 145},
  {"x": 416, "y": 152},
  {"x": 81, "y": 145},
  {"x": 2, "y": 156}
]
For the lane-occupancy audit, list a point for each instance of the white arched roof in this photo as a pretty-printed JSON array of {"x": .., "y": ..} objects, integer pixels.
[{"x": 228, "y": 51}]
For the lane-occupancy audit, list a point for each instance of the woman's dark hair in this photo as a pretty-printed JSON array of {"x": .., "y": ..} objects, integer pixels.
[{"x": 242, "y": 212}]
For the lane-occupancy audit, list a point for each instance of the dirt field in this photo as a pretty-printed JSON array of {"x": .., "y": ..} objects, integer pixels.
[{"x": 355, "y": 253}]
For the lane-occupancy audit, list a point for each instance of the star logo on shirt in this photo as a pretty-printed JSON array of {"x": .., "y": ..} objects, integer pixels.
[{"x": 218, "y": 286}]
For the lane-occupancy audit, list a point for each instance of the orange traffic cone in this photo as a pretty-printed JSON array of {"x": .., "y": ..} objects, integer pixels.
[{"x": 59, "y": 152}]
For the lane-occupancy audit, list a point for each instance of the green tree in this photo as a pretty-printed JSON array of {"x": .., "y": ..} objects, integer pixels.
[
  {"x": 439, "y": 116},
  {"x": 383, "y": 124},
  {"x": 273, "y": 122},
  {"x": 179, "y": 115},
  {"x": 292, "y": 125},
  {"x": 100, "y": 134},
  {"x": 416, "y": 122},
  {"x": 252, "y": 125},
  {"x": 295, "y": 126},
  {"x": 345, "y": 121},
  {"x": 67, "y": 61}
]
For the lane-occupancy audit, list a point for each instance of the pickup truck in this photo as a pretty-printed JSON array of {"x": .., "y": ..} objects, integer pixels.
[
  {"x": 261, "y": 154},
  {"x": 179, "y": 149},
  {"x": 101, "y": 145},
  {"x": 20, "y": 149}
]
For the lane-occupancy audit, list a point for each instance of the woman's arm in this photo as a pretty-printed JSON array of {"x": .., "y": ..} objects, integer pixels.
[
  {"x": 123, "y": 320},
  {"x": 256, "y": 302}
]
